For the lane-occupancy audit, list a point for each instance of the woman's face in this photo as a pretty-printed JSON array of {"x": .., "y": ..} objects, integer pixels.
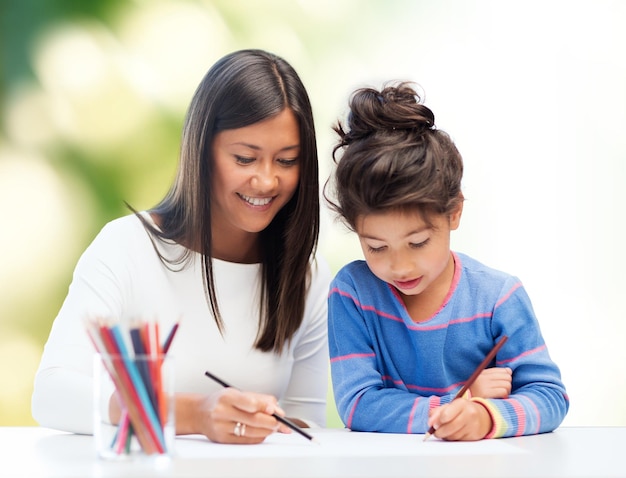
[{"x": 256, "y": 173}]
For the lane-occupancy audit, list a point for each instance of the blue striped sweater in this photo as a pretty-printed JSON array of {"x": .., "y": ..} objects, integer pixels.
[{"x": 388, "y": 371}]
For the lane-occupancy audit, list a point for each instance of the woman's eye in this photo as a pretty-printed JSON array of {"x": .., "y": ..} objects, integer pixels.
[
  {"x": 288, "y": 162},
  {"x": 244, "y": 159}
]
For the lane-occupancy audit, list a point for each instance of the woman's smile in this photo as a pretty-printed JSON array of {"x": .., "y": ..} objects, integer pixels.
[{"x": 256, "y": 201}]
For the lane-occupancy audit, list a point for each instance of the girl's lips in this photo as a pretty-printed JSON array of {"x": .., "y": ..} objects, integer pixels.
[{"x": 406, "y": 285}]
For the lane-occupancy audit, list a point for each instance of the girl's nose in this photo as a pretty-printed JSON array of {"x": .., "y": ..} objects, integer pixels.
[{"x": 400, "y": 264}]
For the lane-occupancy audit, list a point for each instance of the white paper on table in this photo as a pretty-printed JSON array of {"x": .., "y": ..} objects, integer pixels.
[{"x": 333, "y": 442}]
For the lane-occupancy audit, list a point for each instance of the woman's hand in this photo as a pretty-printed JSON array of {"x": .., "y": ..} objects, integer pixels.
[
  {"x": 233, "y": 416},
  {"x": 493, "y": 383},
  {"x": 227, "y": 416},
  {"x": 460, "y": 419}
]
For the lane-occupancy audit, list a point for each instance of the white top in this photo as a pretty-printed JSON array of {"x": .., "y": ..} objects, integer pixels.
[{"x": 120, "y": 276}]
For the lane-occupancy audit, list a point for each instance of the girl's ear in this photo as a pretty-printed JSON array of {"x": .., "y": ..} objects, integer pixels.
[{"x": 455, "y": 216}]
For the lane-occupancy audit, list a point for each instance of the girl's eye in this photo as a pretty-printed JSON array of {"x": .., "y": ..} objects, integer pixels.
[
  {"x": 244, "y": 159},
  {"x": 419, "y": 244},
  {"x": 374, "y": 250}
]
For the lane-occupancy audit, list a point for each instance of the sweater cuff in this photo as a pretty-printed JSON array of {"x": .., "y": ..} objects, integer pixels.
[{"x": 492, "y": 411}]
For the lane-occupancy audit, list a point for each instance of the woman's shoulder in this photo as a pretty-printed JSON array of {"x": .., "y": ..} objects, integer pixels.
[
  {"x": 122, "y": 235},
  {"x": 320, "y": 276},
  {"x": 123, "y": 225}
]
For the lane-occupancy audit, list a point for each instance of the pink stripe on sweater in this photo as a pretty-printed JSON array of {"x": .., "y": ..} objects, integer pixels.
[
  {"x": 421, "y": 326},
  {"x": 409, "y": 386},
  {"x": 409, "y": 426},
  {"x": 335, "y": 290},
  {"x": 352, "y": 356},
  {"x": 380, "y": 313},
  {"x": 356, "y": 402},
  {"x": 508, "y": 294},
  {"x": 481, "y": 315},
  {"x": 523, "y": 354},
  {"x": 521, "y": 416}
]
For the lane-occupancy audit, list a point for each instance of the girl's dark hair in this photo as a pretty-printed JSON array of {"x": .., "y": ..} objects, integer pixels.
[
  {"x": 241, "y": 89},
  {"x": 393, "y": 157}
]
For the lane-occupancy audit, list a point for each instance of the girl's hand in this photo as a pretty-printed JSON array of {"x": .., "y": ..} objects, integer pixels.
[
  {"x": 493, "y": 383},
  {"x": 219, "y": 414},
  {"x": 460, "y": 419}
]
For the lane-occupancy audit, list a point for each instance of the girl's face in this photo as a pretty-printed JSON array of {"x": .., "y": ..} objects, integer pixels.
[
  {"x": 402, "y": 250},
  {"x": 256, "y": 173}
]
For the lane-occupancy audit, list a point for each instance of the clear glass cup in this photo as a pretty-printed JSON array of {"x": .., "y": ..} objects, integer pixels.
[{"x": 144, "y": 388}]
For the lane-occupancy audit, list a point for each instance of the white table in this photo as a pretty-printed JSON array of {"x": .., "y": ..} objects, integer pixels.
[{"x": 568, "y": 452}]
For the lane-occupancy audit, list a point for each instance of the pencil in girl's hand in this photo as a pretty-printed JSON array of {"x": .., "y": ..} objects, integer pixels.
[
  {"x": 283, "y": 420},
  {"x": 486, "y": 361}
]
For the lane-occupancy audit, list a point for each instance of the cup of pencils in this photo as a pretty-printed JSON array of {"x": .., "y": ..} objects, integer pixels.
[{"x": 133, "y": 368}]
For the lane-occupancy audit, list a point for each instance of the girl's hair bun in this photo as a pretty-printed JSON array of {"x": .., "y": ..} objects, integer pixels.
[
  {"x": 391, "y": 156},
  {"x": 395, "y": 107}
]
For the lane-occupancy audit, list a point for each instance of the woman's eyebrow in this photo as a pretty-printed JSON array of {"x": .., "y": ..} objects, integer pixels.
[{"x": 258, "y": 148}]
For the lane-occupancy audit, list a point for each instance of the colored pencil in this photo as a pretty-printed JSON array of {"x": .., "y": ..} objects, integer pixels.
[
  {"x": 135, "y": 382},
  {"x": 101, "y": 338},
  {"x": 139, "y": 390},
  {"x": 170, "y": 338},
  {"x": 486, "y": 361}
]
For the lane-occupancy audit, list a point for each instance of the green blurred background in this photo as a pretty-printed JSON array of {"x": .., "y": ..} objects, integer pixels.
[{"x": 92, "y": 99}]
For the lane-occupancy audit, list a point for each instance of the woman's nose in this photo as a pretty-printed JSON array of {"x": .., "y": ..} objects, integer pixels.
[{"x": 265, "y": 178}]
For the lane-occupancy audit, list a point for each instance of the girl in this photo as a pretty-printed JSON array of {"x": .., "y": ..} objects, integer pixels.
[
  {"x": 408, "y": 326},
  {"x": 230, "y": 250}
]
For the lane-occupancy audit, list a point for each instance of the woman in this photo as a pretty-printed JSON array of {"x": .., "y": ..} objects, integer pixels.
[{"x": 230, "y": 251}]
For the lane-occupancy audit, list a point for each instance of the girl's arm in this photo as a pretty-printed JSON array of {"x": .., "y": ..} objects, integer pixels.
[
  {"x": 538, "y": 401},
  {"x": 363, "y": 400}
]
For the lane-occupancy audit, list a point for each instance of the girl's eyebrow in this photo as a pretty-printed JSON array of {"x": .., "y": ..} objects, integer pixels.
[
  {"x": 258, "y": 148},
  {"x": 416, "y": 231}
]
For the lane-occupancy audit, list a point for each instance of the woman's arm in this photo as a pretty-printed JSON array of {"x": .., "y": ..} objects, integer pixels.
[{"x": 63, "y": 392}]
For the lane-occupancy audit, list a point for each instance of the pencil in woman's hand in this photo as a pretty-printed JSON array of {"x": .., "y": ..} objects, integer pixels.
[
  {"x": 282, "y": 420},
  {"x": 486, "y": 361}
]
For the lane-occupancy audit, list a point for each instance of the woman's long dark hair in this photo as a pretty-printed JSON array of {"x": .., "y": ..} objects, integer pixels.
[{"x": 241, "y": 89}]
